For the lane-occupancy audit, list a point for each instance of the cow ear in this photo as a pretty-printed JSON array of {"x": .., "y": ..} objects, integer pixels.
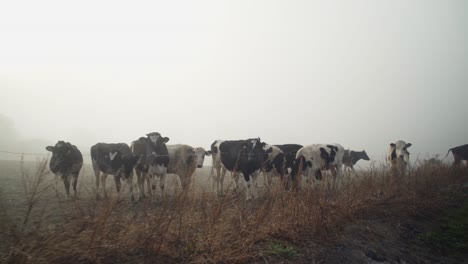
[
  {"x": 148, "y": 135},
  {"x": 408, "y": 145},
  {"x": 50, "y": 148},
  {"x": 208, "y": 153},
  {"x": 392, "y": 145},
  {"x": 165, "y": 139}
]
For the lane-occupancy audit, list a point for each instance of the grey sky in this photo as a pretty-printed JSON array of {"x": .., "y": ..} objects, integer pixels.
[{"x": 360, "y": 73}]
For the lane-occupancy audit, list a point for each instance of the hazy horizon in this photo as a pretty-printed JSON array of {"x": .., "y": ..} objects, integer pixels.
[{"x": 361, "y": 73}]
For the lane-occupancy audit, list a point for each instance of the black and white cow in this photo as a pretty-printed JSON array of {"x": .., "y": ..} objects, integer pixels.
[
  {"x": 312, "y": 159},
  {"x": 351, "y": 157},
  {"x": 184, "y": 160},
  {"x": 274, "y": 165},
  {"x": 398, "y": 157},
  {"x": 290, "y": 151},
  {"x": 66, "y": 162},
  {"x": 153, "y": 159},
  {"x": 459, "y": 153},
  {"x": 115, "y": 159},
  {"x": 246, "y": 156},
  {"x": 217, "y": 170}
]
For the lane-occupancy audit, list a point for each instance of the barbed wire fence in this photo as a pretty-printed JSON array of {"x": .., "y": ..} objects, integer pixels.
[{"x": 416, "y": 157}]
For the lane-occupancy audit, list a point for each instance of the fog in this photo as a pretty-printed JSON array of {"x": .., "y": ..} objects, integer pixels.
[{"x": 359, "y": 73}]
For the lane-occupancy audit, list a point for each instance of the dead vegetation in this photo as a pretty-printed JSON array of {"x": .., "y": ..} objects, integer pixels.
[{"x": 204, "y": 228}]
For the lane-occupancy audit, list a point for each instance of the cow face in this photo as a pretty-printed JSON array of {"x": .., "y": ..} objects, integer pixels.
[
  {"x": 363, "y": 155},
  {"x": 257, "y": 149},
  {"x": 60, "y": 152},
  {"x": 401, "y": 150},
  {"x": 60, "y": 149},
  {"x": 156, "y": 138},
  {"x": 199, "y": 154}
]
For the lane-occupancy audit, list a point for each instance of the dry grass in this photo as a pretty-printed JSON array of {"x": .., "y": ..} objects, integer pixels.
[{"x": 205, "y": 228}]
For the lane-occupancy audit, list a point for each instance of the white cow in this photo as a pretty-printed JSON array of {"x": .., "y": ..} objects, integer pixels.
[
  {"x": 398, "y": 157},
  {"x": 312, "y": 159},
  {"x": 184, "y": 160}
]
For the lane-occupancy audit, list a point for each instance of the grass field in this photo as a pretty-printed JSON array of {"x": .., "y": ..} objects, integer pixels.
[{"x": 371, "y": 217}]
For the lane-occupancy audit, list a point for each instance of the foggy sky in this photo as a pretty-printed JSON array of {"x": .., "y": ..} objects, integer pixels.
[{"x": 359, "y": 73}]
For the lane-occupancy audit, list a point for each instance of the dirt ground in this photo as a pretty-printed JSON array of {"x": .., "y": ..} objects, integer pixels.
[{"x": 381, "y": 233}]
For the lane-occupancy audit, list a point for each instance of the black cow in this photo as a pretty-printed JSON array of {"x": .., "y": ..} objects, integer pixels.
[
  {"x": 246, "y": 156},
  {"x": 153, "y": 160},
  {"x": 459, "y": 153},
  {"x": 66, "y": 161},
  {"x": 290, "y": 151},
  {"x": 286, "y": 160},
  {"x": 116, "y": 159},
  {"x": 351, "y": 157}
]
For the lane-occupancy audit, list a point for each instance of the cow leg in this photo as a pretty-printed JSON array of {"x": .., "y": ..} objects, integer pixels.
[
  {"x": 139, "y": 183},
  {"x": 97, "y": 174},
  {"x": 214, "y": 178},
  {"x": 185, "y": 181},
  {"x": 162, "y": 181},
  {"x": 235, "y": 176},
  {"x": 130, "y": 184},
  {"x": 254, "y": 178},
  {"x": 339, "y": 173},
  {"x": 267, "y": 179},
  {"x": 103, "y": 182},
  {"x": 221, "y": 180},
  {"x": 117, "y": 183},
  {"x": 66, "y": 182},
  {"x": 75, "y": 181},
  {"x": 249, "y": 190},
  {"x": 148, "y": 177},
  {"x": 153, "y": 183}
]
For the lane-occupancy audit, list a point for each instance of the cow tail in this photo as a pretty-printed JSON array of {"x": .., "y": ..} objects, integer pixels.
[{"x": 448, "y": 152}]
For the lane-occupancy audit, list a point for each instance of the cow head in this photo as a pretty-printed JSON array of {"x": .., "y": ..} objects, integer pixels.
[
  {"x": 199, "y": 154},
  {"x": 363, "y": 155},
  {"x": 401, "y": 150},
  {"x": 122, "y": 164},
  {"x": 257, "y": 150},
  {"x": 61, "y": 148},
  {"x": 61, "y": 152},
  {"x": 156, "y": 138}
]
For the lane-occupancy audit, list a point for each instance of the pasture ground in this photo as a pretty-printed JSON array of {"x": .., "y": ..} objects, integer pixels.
[{"x": 372, "y": 217}]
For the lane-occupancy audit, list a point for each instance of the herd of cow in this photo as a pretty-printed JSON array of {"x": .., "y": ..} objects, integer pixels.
[{"x": 151, "y": 158}]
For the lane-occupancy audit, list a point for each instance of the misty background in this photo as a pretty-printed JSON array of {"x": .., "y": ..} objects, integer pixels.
[{"x": 359, "y": 73}]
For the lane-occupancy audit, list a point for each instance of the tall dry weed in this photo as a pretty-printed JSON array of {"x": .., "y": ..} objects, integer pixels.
[{"x": 205, "y": 228}]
